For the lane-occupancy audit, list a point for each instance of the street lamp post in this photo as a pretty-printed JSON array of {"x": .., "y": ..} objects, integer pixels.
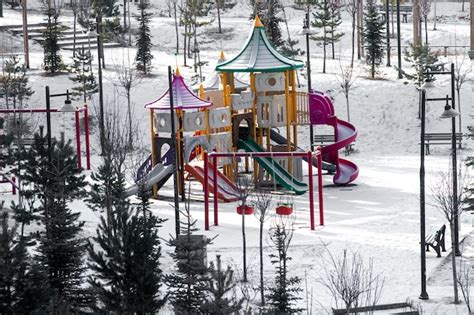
[
  {"x": 399, "y": 42},
  {"x": 307, "y": 32},
  {"x": 423, "y": 294}
]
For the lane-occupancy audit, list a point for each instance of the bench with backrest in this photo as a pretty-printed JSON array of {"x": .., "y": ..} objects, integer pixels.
[
  {"x": 404, "y": 11},
  {"x": 436, "y": 241},
  {"x": 440, "y": 138},
  {"x": 322, "y": 139}
]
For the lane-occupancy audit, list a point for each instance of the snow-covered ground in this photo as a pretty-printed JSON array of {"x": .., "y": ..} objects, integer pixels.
[{"x": 377, "y": 217}]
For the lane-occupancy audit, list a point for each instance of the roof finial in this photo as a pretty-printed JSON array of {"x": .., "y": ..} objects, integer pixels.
[
  {"x": 177, "y": 73},
  {"x": 257, "y": 22},
  {"x": 222, "y": 56}
]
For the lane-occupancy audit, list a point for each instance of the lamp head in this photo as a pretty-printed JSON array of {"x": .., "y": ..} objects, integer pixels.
[
  {"x": 449, "y": 112},
  {"x": 67, "y": 107}
]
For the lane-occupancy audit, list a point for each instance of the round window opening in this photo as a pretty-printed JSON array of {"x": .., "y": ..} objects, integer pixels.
[{"x": 272, "y": 81}]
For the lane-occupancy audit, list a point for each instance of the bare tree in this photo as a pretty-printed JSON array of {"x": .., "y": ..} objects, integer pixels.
[
  {"x": 425, "y": 8},
  {"x": 451, "y": 207},
  {"x": 352, "y": 7},
  {"x": 244, "y": 184},
  {"x": 461, "y": 72},
  {"x": 261, "y": 203},
  {"x": 350, "y": 280},
  {"x": 128, "y": 78},
  {"x": 464, "y": 282},
  {"x": 346, "y": 81}
]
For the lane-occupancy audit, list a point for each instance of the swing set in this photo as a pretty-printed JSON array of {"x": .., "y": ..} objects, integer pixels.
[{"x": 283, "y": 208}]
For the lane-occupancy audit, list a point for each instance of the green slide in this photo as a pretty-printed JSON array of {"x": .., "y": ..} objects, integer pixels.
[{"x": 271, "y": 166}]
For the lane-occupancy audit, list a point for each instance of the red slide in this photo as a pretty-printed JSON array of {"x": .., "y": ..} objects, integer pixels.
[
  {"x": 322, "y": 113},
  {"x": 226, "y": 190}
]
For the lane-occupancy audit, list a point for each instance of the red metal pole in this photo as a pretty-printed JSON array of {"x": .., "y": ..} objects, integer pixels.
[
  {"x": 78, "y": 140},
  {"x": 320, "y": 187},
  {"x": 214, "y": 161},
  {"x": 13, "y": 185},
  {"x": 206, "y": 193},
  {"x": 311, "y": 190},
  {"x": 86, "y": 127}
]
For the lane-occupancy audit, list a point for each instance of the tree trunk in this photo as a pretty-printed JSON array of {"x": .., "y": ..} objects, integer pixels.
[
  {"x": 244, "y": 246},
  {"x": 426, "y": 30},
  {"x": 219, "y": 15},
  {"x": 130, "y": 133},
  {"x": 373, "y": 68},
  {"x": 324, "y": 57},
  {"x": 124, "y": 20},
  {"x": 185, "y": 48},
  {"x": 347, "y": 107},
  {"x": 262, "y": 290},
  {"x": 74, "y": 35},
  {"x": 353, "y": 41}
]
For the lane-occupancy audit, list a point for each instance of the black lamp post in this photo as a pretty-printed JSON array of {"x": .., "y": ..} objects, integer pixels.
[
  {"x": 449, "y": 112},
  {"x": 399, "y": 42},
  {"x": 175, "y": 154},
  {"x": 423, "y": 294},
  {"x": 307, "y": 32}
]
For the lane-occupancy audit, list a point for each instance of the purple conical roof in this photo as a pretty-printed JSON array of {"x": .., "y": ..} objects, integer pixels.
[{"x": 183, "y": 98}]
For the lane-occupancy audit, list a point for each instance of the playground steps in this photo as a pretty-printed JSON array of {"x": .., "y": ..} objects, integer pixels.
[{"x": 66, "y": 41}]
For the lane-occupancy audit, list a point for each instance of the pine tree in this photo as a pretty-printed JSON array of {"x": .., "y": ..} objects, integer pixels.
[
  {"x": 269, "y": 15},
  {"x": 143, "y": 39},
  {"x": 322, "y": 20},
  {"x": 335, "y": 11},
  {"x": 22, "y": 287},
  {"x": 84, "y": 77},
  {"x": 218, "y": 287},
  {"x": 187, "y": 286},
  {"x": 61, "y": 250},
  {"x": 421, "y": 59},
  {"x": 14, "y": 87},
  {"x": 127, "y": 277},
  {"x": 285, "y": 291},
  {"x": 374, "y": 36},
  {"x": 52, "y": 60}
]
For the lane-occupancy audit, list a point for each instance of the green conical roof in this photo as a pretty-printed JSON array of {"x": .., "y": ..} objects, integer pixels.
[{"x": 258, "y": 55}]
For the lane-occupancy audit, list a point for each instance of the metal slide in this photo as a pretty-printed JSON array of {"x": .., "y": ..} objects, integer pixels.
[
  {"x": 271, "y": 166},
  {"x": 159, "y": 173},
  {"x": 279, "y": 139},
  {"x": 226, "y": 190}
]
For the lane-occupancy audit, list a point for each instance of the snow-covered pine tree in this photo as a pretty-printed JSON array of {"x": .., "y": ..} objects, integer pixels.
[
  {"x": 322, "y": 20},
  {"x": 125, "y": 252},
  {"x": 187, "y": 285},
  {"x": 374, "y": 35},
  {"x": 52, "y": 60},
  {"x": 220, "y": 286},
  {"x": 269, "y": 14},
  {"x": 83, "y": 75},
  {"x": 335, "y": 11},
  {"x": 284, "y": 293},
  {"x": 143, "y": 39}
]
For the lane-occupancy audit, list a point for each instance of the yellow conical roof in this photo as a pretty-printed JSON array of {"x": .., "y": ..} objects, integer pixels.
[
  {"x": 177, "y": 73},
  {"x": 257, "y": 22}
]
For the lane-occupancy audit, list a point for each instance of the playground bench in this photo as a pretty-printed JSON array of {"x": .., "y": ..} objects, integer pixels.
[
  {"x": 440, "y": 138},
  {"x": 436, "y": 241},
  {"x": 322, "y": 139},
  {"x": 404, "y": 11}
]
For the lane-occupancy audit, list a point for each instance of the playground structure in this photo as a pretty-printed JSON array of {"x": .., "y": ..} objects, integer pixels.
[
  {"x": 5, "y": 179},
  {"x": 231, "y": 119},
  {"x": 77, "y": 111}
]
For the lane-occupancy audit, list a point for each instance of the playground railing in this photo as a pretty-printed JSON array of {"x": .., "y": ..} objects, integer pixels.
[{"x": 302, "y": 112}]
